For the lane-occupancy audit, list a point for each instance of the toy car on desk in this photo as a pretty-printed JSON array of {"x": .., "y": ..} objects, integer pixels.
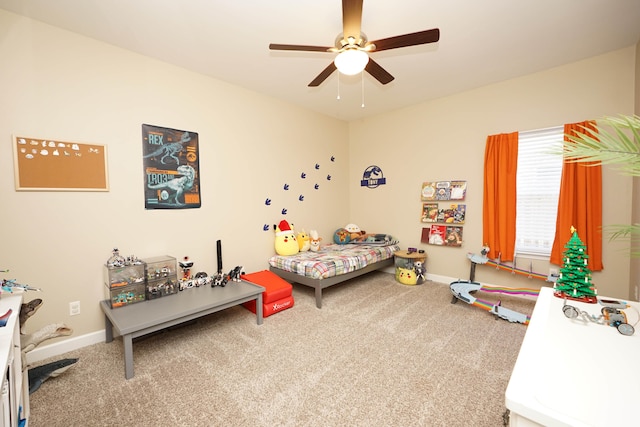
[{"x": 612, "y": 315}]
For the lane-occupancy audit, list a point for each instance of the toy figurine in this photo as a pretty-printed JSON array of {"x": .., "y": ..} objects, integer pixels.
[
  {"x": 420, "y": 270},
  {"x": 304, "y": 241},
  {"x": 315, "y": 241},
  {"x": 54, "y": 330},
  {"x": 133, "y": 260},
  {"x": 116, "y": 260},
  {"x": 201, "y": 278},
  {"x": 186, "y": 265},
  {"x": 234, "y": 275},
  {"x": 27, "y": 310},
  {"x": 219, "y": 280},
  {"x": 11, "y": 284},
  {"x": 40, "y": 374}
]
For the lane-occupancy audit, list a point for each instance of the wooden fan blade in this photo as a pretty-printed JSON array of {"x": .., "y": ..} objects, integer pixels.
[
  {"x": 275, "y": 46},
  {"x": 412, "y": 39},
  {"x": 323, "y": 75},
  {"x": 351, "y": 18},
  {"x": 378, "y": 72}
]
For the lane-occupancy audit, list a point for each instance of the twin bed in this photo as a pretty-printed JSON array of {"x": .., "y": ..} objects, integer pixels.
[{"x": 333, "y": 264}]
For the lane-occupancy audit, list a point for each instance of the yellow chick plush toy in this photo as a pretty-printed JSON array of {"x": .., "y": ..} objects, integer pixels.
[
  {"x": 304, "y": 241},
  {"x": 285, "y": 242}
]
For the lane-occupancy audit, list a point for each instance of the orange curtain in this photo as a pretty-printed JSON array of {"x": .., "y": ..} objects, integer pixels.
[
  {"x": 580, "y": 205},
  {"x": 499, "y": 203}
]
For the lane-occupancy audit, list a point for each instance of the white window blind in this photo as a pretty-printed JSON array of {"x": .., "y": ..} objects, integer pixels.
[{"x": 537, "y": 188}]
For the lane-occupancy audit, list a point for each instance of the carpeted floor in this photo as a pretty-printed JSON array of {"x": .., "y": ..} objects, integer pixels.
[{"x": 377, "y": 353}]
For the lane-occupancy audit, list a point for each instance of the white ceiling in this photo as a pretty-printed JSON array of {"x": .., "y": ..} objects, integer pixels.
[{"x": 481, "y": 41}]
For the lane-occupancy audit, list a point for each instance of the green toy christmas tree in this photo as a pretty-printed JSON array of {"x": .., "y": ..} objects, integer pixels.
[{"x": 574, "y": 281}]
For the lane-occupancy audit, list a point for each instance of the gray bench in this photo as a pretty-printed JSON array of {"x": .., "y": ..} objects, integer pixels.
[{"x": 143, "y": 318}]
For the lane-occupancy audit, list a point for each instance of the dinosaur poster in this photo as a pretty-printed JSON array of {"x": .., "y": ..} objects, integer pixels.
[{"x": 171, "y": 168}]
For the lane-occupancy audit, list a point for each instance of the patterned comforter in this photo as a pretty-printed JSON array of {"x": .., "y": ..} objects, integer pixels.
[{"x": 333, "y": 260}]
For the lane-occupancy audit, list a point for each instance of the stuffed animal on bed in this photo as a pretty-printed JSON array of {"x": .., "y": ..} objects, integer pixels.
[
  {"x": 304, "y": 242},
  {"x": 314, "y": 241},
  {"x": 285, "y": 242},
  {"x": 354, "y": 231},
  {"x": 341, "y": 236}
]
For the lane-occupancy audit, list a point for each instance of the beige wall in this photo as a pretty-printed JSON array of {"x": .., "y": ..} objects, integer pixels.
[
  {"x": 445, "y": 140},
  {"x": 59, "y": 85}
]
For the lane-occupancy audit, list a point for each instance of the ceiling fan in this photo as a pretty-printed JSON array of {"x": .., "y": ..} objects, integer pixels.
[{"x": 353, "y": 47}]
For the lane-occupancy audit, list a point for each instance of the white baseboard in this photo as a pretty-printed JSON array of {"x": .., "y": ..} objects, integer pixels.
[
  {"x": 62, "y": 347},
  {"x": 437, "y": 278},
  {"x": 440, "y": 279}
]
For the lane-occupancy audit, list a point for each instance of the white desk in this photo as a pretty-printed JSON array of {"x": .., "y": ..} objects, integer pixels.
[
  {"x": 16, "y": 394},
  {"x": 575, "y": 373}
]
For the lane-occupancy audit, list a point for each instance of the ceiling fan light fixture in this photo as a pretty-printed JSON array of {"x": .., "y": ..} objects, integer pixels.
[{"x": 351, "y": 61}]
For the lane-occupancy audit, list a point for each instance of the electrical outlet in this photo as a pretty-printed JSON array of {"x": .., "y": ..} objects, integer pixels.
[{"x": 74, "y": 308}]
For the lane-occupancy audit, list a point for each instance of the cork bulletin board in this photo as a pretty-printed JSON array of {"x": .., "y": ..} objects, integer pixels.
[{"x": 50, "y": 165}]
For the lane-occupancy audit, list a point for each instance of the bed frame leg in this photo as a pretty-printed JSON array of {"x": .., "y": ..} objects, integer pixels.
[{"x": 319, "y": 297}]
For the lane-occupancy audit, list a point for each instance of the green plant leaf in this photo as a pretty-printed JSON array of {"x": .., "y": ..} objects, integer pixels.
[
  {"x": 615, "y": 140},
  {"x": 626, "y": 232}
]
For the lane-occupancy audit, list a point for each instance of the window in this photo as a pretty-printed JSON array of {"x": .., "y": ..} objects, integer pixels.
[{"x": 537, "y": 187}]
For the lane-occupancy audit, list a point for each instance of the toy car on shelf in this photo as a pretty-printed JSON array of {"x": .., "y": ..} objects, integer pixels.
[{"x": 611, "y": 314}]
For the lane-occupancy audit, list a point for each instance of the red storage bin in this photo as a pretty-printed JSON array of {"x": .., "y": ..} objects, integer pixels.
[{"x": 277, "y": 295}]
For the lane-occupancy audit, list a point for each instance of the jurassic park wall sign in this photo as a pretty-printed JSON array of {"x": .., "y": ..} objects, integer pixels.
[
  {"x": 171, "y": 168},
  {"x": 54, "y": 165}
]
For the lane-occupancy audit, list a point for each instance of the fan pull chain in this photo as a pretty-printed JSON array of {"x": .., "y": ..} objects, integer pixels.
[
  {"x": 338, "y": 97},
  {"x": 362, "y": 80}
]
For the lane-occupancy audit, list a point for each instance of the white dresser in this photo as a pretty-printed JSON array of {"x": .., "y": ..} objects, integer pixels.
[
  {"x": 575, "y": 373},
  {"x": 15, "y": 383}
]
